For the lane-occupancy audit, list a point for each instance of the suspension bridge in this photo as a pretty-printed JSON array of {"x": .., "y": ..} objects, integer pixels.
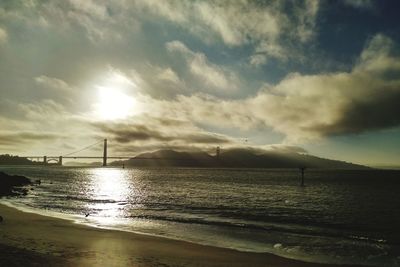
[{"x": 59, "y": 159}]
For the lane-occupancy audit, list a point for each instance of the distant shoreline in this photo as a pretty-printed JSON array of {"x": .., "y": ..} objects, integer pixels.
[
  {"x": 229, "y": 158},
  {"x": 367, "y": 168}
]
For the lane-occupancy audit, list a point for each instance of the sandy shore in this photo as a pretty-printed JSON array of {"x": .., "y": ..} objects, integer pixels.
[{"x": 28, "y": 239}]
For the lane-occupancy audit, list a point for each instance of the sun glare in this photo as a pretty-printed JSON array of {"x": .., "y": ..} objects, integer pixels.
[
  {"x": 110, "y": 188},
  {"x": 113, "y": 104}
]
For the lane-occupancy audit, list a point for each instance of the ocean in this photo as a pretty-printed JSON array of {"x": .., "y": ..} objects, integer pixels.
[{"x": 346, "y": 216}]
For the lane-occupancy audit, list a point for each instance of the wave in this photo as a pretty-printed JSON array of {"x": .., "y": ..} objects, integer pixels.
[
  {"x": 278, "y": 228},
  {"x": 256, "y": 219},
  {"x": 84, "y": 199}
]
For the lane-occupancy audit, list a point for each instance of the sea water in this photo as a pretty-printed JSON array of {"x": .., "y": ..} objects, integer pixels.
[{"x": 337, "y": 217}]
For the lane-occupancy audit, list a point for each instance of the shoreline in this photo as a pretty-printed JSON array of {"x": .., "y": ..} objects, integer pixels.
[{"x": 30, "y": 239}]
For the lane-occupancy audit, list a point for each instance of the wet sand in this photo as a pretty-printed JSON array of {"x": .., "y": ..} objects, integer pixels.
[{"x": 28, "y": 239}]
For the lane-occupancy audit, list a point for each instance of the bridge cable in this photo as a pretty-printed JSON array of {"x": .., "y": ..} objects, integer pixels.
[{"x": 87, "y": 147}]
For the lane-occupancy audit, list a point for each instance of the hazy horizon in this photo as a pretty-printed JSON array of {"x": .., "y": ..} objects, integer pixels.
[{"x": 316, "y": 77}]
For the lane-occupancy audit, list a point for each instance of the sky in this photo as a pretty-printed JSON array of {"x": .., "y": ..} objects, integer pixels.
[{"x": 317, "y": 77}]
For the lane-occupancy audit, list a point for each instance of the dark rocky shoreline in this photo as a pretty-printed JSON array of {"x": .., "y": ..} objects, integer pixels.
[{"x": 13, "y": 185}]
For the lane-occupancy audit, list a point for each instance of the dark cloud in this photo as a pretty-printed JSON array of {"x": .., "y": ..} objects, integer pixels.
[
  {"x": 204, "y": 138},
  {"x": 379, "y": 112},
  {"x": 123, "y": 133},
  {"x": 305, "y": 107},
  {"x": 125, "y": 149},
  {"x": 129, "y": 149},
  {"x": 163, "y": 132}
]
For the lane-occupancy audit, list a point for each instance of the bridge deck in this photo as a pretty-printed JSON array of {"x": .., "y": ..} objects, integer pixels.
[
  {"x": 78, "y": 157},
  {"x": 90, "y": 157}
]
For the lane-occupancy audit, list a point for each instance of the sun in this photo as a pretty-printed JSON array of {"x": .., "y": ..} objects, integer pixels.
[{"x": 113, "y": 104}]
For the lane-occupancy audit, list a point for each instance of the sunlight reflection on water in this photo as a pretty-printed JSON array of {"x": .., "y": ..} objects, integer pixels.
[{"x": 110, "y": 189}]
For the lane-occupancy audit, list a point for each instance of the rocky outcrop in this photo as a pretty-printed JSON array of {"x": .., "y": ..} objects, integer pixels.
[{"x": 13, "y": 185}]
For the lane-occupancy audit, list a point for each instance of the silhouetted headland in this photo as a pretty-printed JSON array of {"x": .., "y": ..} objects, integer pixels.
[
  {"x": 7, "y": 159},
  {"x": 229, "y": 158},
  {"x": 235, "y": 158}
]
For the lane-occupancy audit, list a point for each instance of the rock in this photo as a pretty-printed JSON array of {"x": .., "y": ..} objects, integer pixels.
[{"x": 11, "y": 185}]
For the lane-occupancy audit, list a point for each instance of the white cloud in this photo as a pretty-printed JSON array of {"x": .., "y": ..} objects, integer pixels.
[
  {"x": 238, "y": 23},
  {"x": 169, "y": 75},
  {"x": 55, "y": 88},
  {"x": 100, "y": 21},
  {"x": 376, "y": 57},
  {"x": 268, "y": 49},
  {"x": 3, "y": 35},
  {"x": 271, "y": 28},
  {"x": 307, "y": 20},
  {"x": 311, "y": 106},
  {"x": 90, "y": 7},
  {"x": 53, "y": 83},
  {"x": 366, "y": 4},
  {"x": 162, "y": 82},
  {"x": 207, "y": 73},
  {"x": 210, "y": 74},
  {"x": 301, "y": 107},
  {"x": 178, "y": 46},
  {"x": 43, "y": 110},
  {"x": 154, "y": 80},
  {"x": 43, "y": 127},
  {"x": 258, "y": 59}
]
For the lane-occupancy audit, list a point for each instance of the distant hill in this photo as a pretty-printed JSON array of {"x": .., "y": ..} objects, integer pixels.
[
  {"x": 235, "y": 158},
  {"x": 171, "y": 158},
  {"x": 7, "y": 159}
]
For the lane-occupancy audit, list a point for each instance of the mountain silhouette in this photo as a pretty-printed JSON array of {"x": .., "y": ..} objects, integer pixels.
[{"x": 235, "y": 158}]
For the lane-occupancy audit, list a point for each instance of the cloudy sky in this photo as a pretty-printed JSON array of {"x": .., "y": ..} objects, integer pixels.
[{"x": 321, "y": 77}]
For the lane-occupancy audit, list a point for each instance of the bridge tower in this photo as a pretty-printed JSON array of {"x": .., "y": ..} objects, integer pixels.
[
  {"x": 44, "y": 160},
  {"x": 105, "y": 153},
  {"x": 60, "y": 160}
]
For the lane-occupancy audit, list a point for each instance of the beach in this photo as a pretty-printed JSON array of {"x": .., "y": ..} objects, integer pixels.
[{"x": 28, "y": 239}]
